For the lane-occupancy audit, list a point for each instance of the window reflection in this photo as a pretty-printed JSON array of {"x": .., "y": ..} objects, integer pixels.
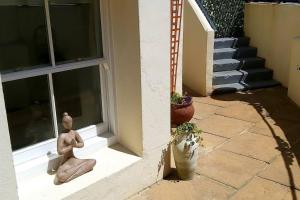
[
  {"x": 78, "y": 93},
  {"x": 75, "y": 28},
  {"x": 23, "y": 35},
  {"x": 28, "y": 111}
]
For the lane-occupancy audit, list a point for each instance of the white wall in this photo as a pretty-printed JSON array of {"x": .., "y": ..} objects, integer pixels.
[
  {"x": 294, "y": 78},
  {"x": 271, "y": 28},
  {"x": 198, "y": 47}
]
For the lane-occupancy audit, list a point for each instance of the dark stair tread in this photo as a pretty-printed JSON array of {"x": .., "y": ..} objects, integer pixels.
[
  {"x": 254, "y": 71},
  {"x": 262, "y": 84}
]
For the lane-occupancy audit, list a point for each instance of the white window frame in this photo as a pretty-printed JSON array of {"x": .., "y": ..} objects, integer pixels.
[{"x": 50, "y": 146}]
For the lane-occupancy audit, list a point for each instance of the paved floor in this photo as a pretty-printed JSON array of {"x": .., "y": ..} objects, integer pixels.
[{"x": 251, "y": 150}]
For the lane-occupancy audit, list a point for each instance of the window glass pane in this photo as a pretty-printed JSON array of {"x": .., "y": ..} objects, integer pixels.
[
  {"x": 28, "y": 111},
  {"x": 75, "y": 29},
  {"x": 78, "y": 93},
  {"x": 23, "y": 35}
]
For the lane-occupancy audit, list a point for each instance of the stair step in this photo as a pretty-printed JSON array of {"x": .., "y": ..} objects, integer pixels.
[
  {"x": 246, "y": 52},
  {"x": 226, "y": 65},
  {"x": 237, "y": 76},
  {"x": 228, "y": 88},
  {"x": 252, "y": 63},
  {"x": 262, "y": 84},
  {"x": 227, "y": 77},
  {"x": 224, "y": 43},
  {"x": 252, "y": 75},
  {"x": 224, "y": 53},
  {"x": 234, "y": 87},
  {"x": 231, "y": 42}
]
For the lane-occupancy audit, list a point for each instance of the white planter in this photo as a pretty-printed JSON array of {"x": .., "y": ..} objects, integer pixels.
[{"x": 186, "y": 154}]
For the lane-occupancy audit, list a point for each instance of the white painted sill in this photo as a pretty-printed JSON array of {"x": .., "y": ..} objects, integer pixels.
[{"x": 35, "y": 183}]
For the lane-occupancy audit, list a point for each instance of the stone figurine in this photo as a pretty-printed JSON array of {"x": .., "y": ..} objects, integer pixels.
[{"x": 70, "y": 167}]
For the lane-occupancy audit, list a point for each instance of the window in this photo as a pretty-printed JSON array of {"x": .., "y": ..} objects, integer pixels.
[{"x": 51, "y": 62}]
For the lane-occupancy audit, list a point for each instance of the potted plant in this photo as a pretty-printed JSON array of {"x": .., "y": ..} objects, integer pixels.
[
  {"x": 185, "y": 145},
  {"x": 182, "y": 109}
]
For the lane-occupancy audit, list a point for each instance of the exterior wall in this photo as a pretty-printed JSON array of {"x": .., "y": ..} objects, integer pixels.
[
  {"x": 271, "y": 28},
  {"x": 198, "y": 46},
  {"x": 124, "y": 22},
  {"x": 294, "y": 86},
  {"x": 140, "y": 48},
  {"x": 8, "y": 185}
]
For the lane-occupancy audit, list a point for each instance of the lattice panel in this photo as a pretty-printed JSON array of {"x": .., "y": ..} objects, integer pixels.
[{"x": 176, "y": 18}]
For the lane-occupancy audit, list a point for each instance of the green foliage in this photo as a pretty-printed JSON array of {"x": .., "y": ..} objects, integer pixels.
[
  {"x": 227, "y": 15},
  {"x": 176, "y": 98},
  {"x": 188, "y": 130}
]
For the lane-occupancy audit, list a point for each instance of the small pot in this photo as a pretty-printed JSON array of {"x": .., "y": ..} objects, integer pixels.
[
  {"x": 181, "y": 113},
  {"x": 186, "y": 157}
]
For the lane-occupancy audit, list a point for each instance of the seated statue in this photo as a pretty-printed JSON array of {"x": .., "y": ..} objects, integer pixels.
[{"x": 71, "y": 167}]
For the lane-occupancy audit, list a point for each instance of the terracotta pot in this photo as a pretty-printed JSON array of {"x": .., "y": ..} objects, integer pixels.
[
  {"x": 185, "y": 157},
  {"x": 182, "y": 113}
]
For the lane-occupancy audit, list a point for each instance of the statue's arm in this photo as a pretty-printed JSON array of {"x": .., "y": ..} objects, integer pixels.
[
  {"x": 79, "y": 141},
  {"x": 61, "y": 147}
]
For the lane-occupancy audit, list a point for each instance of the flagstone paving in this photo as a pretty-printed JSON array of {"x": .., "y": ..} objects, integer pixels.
[{"x": 251, "y": 150}]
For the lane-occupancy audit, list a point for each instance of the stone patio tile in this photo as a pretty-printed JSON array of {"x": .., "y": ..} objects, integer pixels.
[
  {"x": 288, "y": 131},
  {"x": 263, "y": 189},
  {"x": 198, "y": 188},
  {"x": 285, "y": 169},
  {"x": 229, "y": 168},
  {"x": 224, "y": 100},
  {"x": 223, "y": 126},
  {"x": 244, "y": 112},
  {"x": 253, "y": 145},
  {"x": 204, "y": 110},
  {"x": 210, "y": 142}
]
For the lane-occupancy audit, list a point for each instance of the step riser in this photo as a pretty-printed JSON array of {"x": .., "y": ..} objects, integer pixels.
[
  {"x": 246, "y": 53},
  {"x": 236, "y": 53},
  {"x": 224, "y": 55},
  {"x": 242, "y": 42},
  {"x": 226, "y": 67},
  {"x": 252, "y": 77},
  {"x": 229, "y": 43},
  {"x": 223, "y": 44}
]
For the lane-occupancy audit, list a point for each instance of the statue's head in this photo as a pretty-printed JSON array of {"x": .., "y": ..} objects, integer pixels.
[{"x": 67, "y": 121}]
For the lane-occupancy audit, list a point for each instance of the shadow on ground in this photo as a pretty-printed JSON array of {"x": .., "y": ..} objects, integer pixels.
[{"x": 274, "y": 104}]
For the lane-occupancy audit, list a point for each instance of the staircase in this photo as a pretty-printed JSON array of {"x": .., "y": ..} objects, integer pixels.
[{"x": 237, "y": 67}]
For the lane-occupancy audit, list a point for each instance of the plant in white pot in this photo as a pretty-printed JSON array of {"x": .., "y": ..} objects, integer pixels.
[{"x": 185, "y": 144}]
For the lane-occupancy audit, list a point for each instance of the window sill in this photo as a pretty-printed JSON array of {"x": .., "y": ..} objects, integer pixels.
[{"x": 109, "y": 161}]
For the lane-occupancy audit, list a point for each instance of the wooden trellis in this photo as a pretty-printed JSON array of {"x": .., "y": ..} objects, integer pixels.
[{"x": 176, "y": 17}]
